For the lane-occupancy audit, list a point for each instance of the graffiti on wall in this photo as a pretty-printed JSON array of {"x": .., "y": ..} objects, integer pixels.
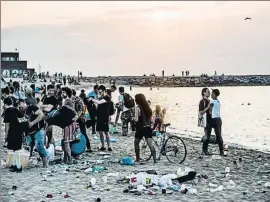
[{"x": 16, "y": 73}]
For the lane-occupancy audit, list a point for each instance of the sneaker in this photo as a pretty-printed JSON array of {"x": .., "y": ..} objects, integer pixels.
[
  {"x": 109, "y": 149},
  {"x": 102, "y": 149},
  {"x": 207, "y": 153}
]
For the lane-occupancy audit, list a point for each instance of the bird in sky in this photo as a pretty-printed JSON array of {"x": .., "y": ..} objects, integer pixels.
[{"x": 247, "y": 18}]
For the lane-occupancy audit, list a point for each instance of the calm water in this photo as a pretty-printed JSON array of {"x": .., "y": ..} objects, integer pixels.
[{"x": 247, "y": 125}]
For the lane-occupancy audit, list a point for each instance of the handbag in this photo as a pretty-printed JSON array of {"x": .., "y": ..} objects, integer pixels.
[{"x": 202, "y": 119}]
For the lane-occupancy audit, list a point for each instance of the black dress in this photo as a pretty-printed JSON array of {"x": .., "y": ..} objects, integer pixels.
[{"x": 15, "y": 132}]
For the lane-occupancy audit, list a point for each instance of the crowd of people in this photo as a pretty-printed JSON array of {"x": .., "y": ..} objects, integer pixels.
[{"x": 29, "y": 117}]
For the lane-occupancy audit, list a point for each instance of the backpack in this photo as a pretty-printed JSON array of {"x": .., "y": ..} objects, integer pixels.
[
  {"x": 111, "y": 108},
  {"x": 128, "y": 101}
]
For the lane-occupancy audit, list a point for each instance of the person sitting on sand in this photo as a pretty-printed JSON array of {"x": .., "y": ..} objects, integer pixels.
[
  {"x": 103, "y": 116},
  {"x": 215, "y": 122},
  {"x": 158, "y": 115},
  {"x": 143, "y": 114}
]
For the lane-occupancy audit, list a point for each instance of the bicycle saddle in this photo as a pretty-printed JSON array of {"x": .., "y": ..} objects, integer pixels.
[{"x": 167, "y": 124}]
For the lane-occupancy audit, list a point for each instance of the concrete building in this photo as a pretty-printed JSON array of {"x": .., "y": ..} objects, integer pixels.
[{"x": 13, "y": 67}]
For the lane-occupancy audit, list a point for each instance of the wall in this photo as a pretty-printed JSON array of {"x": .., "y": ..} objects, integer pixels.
[{"x": 195, "y": 81}]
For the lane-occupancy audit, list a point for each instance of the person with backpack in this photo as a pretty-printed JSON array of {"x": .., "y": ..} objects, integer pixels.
[
  {"x": 103, "y": 114},
  {"x": 127, "y": 107}
]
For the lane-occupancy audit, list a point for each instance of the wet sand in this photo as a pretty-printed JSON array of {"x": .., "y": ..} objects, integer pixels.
[{"x": 249, "y": 176}]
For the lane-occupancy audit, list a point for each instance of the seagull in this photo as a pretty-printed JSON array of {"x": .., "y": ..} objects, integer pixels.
[{"x": 247, "y": 18}]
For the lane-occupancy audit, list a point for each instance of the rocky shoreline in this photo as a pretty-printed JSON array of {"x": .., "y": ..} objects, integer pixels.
[{"x": 183, "y": 81}]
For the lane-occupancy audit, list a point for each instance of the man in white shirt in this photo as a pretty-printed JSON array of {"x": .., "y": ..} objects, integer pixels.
[{"x": 215, "y": 122}]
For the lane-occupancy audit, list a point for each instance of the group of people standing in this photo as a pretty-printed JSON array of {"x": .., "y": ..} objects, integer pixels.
[{"x": 27, "y": 118}]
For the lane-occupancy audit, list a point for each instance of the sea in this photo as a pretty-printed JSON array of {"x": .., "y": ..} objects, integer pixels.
[{"x": 245, "y": 113}]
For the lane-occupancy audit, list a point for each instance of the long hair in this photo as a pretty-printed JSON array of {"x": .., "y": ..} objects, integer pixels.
[
  {"x": 158, "y": 109},
  {"x": 141, "y": 101}
]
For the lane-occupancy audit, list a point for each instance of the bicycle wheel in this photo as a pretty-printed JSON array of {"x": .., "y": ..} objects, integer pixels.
[
  {"x": 175, "y": 150},
  {"x": 145, "y": 150}
]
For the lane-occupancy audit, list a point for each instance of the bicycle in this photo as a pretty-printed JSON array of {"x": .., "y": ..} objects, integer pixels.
[{"x": 163, "y": 147}]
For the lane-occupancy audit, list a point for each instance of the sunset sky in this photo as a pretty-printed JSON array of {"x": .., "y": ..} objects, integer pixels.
[{"x": 136, "y": 38}]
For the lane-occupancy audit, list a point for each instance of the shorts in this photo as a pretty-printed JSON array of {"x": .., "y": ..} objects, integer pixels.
[
  {"x": 144, "y": 132},
  {"x": 69, "y": 131},
  {"x": 102, "y": 126}
]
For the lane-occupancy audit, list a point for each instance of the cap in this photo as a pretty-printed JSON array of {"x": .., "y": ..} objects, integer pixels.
[{"x": 28, "y": 90}]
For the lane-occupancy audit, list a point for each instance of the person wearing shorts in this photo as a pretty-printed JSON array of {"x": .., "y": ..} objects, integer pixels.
[
  {"x": 102, "y": 126},
  {"x": 143, "y": 114}
]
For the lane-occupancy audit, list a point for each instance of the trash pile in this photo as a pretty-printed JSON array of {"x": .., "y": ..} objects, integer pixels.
[{"x": 152, "y": 183}]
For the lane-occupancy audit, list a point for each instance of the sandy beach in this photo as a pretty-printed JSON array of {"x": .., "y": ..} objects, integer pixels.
[{"x": 248, "y": 175}]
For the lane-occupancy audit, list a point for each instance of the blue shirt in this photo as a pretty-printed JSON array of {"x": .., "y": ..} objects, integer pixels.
[{"x": 92, "y": 94}]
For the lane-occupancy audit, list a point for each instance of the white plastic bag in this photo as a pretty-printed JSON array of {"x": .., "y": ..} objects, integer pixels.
[{"x": 51, "y": 152}]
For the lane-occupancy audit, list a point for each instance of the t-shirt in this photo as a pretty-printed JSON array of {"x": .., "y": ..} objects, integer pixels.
[
  {"x": 109, "y": 92},
  {"x": 31, "y": 101},
  {"x": 202, "y": 105},
  {"x": 30, "y": 112},
  {"x": 50, "y": 101},
  {"x": 15, "y": 131},
  {"x": 103, "y": 109},
  {"x": 15, "y": 102},
  {"x": 215, "y": 109},
  {"x": 69, "y": 102},
  {"x": 121, "y": 103},
  {"x": 92, "y": 94}
]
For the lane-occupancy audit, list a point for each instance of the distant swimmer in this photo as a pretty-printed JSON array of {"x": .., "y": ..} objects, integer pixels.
[
  {"x": 150, "y": 88},
  {"x": 247, "y": 18}
]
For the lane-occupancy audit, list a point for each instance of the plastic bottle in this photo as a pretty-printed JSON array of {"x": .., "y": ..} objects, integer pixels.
[
  {"x": 93, "y": 182},
  {"x": 193, "y": 191},
  {"x": 88, "y": 170},
  {"x": 220, "y": 188},
  {"x": 226, "y": 148},
  {"x": 227, "y": 169},
  {"x": 105, "y": 179}
]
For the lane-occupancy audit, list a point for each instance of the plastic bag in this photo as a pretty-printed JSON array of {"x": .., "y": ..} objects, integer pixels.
[{"x": 51, "y": 152}]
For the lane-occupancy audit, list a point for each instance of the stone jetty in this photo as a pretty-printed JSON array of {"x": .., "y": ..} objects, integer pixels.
[{"x": 183, "y": 81}]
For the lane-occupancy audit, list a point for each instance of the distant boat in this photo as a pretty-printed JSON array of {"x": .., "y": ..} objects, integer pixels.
[{"x": 247, "y": 18}]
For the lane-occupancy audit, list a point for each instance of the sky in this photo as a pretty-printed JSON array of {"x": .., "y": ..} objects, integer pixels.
[{"x": 118, "y": 38}]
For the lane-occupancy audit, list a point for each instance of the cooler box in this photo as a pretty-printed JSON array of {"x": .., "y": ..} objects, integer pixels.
[{"x": 24, "y": 157}]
